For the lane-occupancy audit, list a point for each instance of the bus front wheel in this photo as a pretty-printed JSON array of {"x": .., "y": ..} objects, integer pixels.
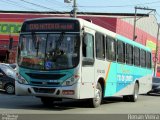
[
  {"x": 47, "y": 101},
  {"x": 96, "y": 101}
]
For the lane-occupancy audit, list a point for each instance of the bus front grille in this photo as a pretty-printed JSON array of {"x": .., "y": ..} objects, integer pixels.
[
  {"x": 45, "y": 83},
  {"x": 45, "y": 76},
  {"x": 44, "y": 90}
]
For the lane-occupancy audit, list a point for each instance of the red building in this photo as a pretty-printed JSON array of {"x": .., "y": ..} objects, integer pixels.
[{"x": 10, "y": 24}]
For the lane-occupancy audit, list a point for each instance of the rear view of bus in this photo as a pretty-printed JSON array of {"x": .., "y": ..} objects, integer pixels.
[{"x": 48, "y": 59}]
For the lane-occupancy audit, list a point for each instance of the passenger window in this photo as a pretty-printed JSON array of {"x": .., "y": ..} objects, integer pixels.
[
  {"x": 148, "y": 60},
  {"x": 129, "y": 54},
  {"x": 136, "y": 56},
  {"x": 100, "y": 45},
  {"x": 88, "y": 46},
  {"x": 110, "y": 49},
  {"x": 143, "y": 58},
  {"x": 121, "y": 52}
]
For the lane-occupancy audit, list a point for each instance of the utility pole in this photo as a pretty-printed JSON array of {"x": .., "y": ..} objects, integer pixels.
[
  {"x": 156, "y": 52},
  {"x": 135, "y": 19},
  {"x": 74, "y": 7},
  {"x": 134, "y": 28}
]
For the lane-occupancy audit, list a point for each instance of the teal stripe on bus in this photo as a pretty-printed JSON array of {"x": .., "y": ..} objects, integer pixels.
[{"x": 122, "y": 75}]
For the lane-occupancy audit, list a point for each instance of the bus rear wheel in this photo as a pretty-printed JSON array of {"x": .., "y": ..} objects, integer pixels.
[
  {"x": 47, "y": 101},
  {"x": 96, "y": 101},
  {"x": 134, "y": 97}
]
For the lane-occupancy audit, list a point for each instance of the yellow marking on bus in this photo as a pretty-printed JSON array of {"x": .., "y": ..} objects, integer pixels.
[{"x": 107, "y": 73}]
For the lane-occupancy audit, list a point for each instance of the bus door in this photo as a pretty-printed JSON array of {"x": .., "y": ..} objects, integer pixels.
[{"x": 87, "y": 89}]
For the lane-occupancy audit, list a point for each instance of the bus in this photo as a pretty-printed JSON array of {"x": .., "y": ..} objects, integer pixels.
[{"x": 72, "y": 58}]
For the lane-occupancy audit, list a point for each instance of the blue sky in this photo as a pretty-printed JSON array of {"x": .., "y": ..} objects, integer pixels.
[{"x": 108, "y": 6}]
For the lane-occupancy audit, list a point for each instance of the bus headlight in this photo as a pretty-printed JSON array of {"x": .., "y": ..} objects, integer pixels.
[
  {"x": 71, "y": 80},
  {"x": 21, "y": 80}
]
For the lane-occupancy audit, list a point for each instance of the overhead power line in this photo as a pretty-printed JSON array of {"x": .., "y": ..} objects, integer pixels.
[
  {"x": 16, "y": 4},
  {"x": 157, "y": 14},
  {"x": 120, "y": 5},
  {"x": 41, "y": 6},
  {"x": 59, "y": 4},
  {"x": 98, "y": 19}
]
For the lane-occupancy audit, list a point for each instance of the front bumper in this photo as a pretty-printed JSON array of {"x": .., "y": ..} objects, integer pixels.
[{"x": 56, "y": 92}]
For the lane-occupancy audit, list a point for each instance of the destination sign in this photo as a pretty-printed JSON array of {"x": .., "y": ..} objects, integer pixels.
[{"x": 51, "y": 25}]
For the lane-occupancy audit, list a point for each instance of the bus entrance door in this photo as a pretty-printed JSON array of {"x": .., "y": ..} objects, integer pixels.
[{"x": 87, "y": 89}]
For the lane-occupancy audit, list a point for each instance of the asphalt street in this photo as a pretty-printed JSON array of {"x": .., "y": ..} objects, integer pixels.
[{"x": 146, "y": 104}]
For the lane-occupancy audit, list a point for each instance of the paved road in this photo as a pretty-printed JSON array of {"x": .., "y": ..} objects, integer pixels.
[{"x": 31, "y": 105}]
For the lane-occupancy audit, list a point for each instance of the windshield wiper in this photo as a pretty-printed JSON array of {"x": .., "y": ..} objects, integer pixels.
[
  {"x": 34, "y": 39},
  {"x": 53, "y": 53},
  {"x": 59, "y": 41},
  {"x": 57, "y": 51},
  {"x": 35, "y": 42}
]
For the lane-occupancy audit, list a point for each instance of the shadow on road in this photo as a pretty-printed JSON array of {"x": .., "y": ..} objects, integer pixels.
[
  {"x": 152, "y": 94},
  {"x": 32, "y": 103},
  {"x": 2, "y": 92},
  {"x": 85, "y": 104}
]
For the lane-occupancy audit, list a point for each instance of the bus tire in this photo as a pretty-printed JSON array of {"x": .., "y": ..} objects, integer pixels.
[
  {"x": 96, "y": 101},
  {"x": 134, "y": 97},
  {"x": 47, "y": 101}
]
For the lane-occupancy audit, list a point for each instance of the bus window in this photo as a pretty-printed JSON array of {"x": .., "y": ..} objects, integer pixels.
[
  {"x": 136, "y": 56},
  {"x": 129, "y": 54},
  {"x": 143, "y": 58},
  {"x": 88, "y": 46},
  {"x": 121, "y": 52},
  {"x": 148, "y": 60},
  {"x": 110, "y": 49},
  {"x": 100, "y": 46}
]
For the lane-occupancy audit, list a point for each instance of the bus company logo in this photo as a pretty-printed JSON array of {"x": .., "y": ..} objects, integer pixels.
[{"x": 53, "y": 81}]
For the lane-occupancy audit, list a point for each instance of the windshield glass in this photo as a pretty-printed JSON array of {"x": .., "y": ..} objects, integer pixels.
[{"x": 48, "y": 51}]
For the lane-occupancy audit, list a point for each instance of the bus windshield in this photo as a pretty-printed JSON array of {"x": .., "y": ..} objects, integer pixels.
[{"x": 48, "y": 51}]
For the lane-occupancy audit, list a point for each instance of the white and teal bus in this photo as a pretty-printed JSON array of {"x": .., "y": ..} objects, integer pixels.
[{"x": 73, "y": 58}]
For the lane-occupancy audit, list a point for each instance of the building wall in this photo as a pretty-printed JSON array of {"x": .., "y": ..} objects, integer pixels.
[{"x": 147, "y": 24}]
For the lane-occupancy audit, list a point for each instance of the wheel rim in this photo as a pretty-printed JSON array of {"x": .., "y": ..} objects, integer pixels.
[
  {"x": 136, "y": 92},
  {"x": 97, "y": 96},
  {"x": 10, "y": 89}
]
